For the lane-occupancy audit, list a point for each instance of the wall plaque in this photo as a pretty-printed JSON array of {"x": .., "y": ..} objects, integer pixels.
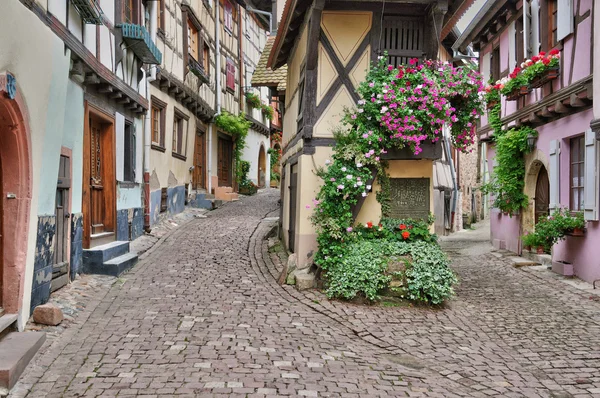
[{"x": 410, "y": 198}]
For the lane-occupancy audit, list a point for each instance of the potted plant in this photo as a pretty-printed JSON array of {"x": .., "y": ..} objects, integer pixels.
[
  {"x": 253, "y": 100},
  {"x": 516, "y": 85},
  {"x": 577, "y": 224},
  {"x": 268, "y": 111},
  {"x": 542, "y": 68},
  {"x": 530, "y": 240}
]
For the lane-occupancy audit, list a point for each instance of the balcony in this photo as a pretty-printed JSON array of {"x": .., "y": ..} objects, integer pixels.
[
  {"x": 89, "y": 10},
  {"x": 138, "y": 40},
  {"x": 198, "y": 70}
]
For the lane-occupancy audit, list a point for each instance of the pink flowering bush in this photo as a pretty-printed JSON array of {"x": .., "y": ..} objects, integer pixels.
[{"x": 409, "y": 105}]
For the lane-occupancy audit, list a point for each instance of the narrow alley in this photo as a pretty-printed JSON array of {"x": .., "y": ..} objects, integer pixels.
[{"x": 203, "y": 316}]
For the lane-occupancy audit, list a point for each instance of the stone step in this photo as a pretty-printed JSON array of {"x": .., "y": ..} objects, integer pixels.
[
  {"x": 7, "y": 322},
  {"x": 17, "y": 350},
  {"x": 98, "y": 255},
  {"x": 118, "y": 265}
]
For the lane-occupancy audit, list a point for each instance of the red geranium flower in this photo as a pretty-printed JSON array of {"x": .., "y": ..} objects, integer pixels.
[
  {"x": 542, "y": 53},
  {"x": 546, "y": 61},
  {"x": 402, "y": 227},
  {"x": 369, "y": 224},
  {"x": 554, "y": 51},
  {"x": 405, "y": 235}
]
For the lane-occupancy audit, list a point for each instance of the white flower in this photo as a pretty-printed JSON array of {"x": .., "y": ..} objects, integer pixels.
[
  {"x": 522, "y": 65},
  {"x": 355, "y": 185},
  {"x": 359, "y": 183},
  {"x": 380, "y": 57},
  {"x": 420, "y": 86},
  {"x": 349, "y": 177},
  {"x": 384, "y": 91},
  {"x": 344, "y": 168},
  {"x": 361, "y": 110},
  {"x": 327, "y": 161},
  {"x": 379, "y": 101},
  {"x": 359, "y": 165},
  {"x": 361, "y": 102},
  {"x": 368, "y": 117},
  {"x": 364, "y": 194},
  {"x": 379, "y": 95},
  {"x": 384, "y": 109},
  {"x": 369, "y": 187}
]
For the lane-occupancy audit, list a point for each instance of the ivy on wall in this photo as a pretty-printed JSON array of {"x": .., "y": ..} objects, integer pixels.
[{"x": 238, "y": 127}]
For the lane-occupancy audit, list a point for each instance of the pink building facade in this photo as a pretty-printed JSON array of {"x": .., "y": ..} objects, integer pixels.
[{"x": 562, "y": 170}]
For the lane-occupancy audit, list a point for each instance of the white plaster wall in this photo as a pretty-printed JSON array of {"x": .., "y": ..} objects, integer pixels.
[
  {"x": 73, "y": 139},
  {"x": 253, "y": 142},
  {"x": 42, "y": 89}
]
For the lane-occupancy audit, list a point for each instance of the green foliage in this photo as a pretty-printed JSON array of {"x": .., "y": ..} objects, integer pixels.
[
  {"x": 515, "y": 84},
  {"x": 238, "y": 127},
  {"x": 508, "y": 178},
  {"x": 246, "y": 187},
  {"x": 275, "y": 156},
  {"x": 268, "y": 111},
  {"x": 384, "y": 195},
  {"x": 552, "y": 229},
  {"x": 253, "y": 100},
  {"x": 532, "y": 240},
  {"x": 361, "y": 271}
]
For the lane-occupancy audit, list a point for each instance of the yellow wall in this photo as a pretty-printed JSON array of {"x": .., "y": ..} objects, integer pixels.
[
  {"x": 371, "y": 209},
  {"x": 293, "y": 77}
]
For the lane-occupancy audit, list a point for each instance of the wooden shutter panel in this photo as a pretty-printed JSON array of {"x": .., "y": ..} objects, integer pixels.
[
  {"x": 120, "y": 139},
  {"x": 512, "y": 47},
  {"x": 554, "y": 174},
  {"x": 565, "y": 18},
  {"x": 486, "y": 66},
  {"x": 535, "y": 27},
  {"x": 526, "y": 29},
  {"x": 591, "y": 177}
]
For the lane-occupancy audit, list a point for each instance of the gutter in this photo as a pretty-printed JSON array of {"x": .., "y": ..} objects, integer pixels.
[
  {"x": 152, "y": 10},
  {"x": 453, "y": 174},
  {"x": 217, "y": 90}
]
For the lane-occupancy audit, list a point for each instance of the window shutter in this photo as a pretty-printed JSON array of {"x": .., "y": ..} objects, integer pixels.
[
  {"x": 590, "y": 189},
  {"x": 485, "y": 66},
  {"x": 554, "y": 174},
  {"x": 134, "y": 165},
  {"x": 120, "y": 140},
  {"x": 565, "y": 18},
  {"x": 535, "y": 27},
  {"x": 526, "y": 29},
  {"x": 512, "y": 47}
]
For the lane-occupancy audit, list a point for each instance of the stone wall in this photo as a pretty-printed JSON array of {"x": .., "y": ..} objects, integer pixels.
[
  {"x": 130, "y": 223},
  {"x": 469, "y": 184},
  {"x": 76, "y": 244}
]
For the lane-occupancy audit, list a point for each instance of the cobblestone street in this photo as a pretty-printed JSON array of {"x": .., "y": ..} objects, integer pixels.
[{"x": 202, "y": 315}]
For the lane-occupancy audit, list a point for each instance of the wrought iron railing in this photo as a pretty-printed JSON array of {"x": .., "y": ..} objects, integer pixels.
[
  {"x": 89, "y": 10},
  {"x": 139, "y": 41}
]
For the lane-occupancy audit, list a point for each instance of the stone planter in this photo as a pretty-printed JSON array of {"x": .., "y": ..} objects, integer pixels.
[{"x": 563, "y": 268}]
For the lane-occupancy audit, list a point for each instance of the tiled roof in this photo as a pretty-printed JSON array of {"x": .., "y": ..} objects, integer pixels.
[{"x": 264, "y": 76}]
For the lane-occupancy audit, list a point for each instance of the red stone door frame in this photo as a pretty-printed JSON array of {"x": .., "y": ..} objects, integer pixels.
[{"x": 15, "y": 155}]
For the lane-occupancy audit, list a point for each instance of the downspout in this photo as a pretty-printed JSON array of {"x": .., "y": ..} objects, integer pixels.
[
  {"x": 453, "y": 174},
  {"x": 242, "y": 83},
  {"x": 147, "y": 122},
  {"x": 217, "y": 89}
]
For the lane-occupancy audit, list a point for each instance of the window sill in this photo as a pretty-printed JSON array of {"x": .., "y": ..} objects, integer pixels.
[
  {"x": 128, "y": 184},
  {"x": 178, "y": 156},
  {"x": 158, "y": 148},
  {"x": 230, "y": 90}
]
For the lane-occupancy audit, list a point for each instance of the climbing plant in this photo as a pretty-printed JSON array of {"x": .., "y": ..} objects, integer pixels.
[
  {"x": 399, "y": 107},
  {"x": 238, "y": 127}
]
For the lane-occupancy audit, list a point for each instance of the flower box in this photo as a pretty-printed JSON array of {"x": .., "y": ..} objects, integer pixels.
[
  {"x": 539, "y": 81},
  {"x": 514, "y": 95},
  {"x": 524, "y": 90},
  {"x": 577, "y": 232},
  {"x": 431, "y": 150},
  {"x": 491, "y": 104}
]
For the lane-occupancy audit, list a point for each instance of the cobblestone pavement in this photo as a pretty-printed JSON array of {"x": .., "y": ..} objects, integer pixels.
[{"x": 202, "y": 315}]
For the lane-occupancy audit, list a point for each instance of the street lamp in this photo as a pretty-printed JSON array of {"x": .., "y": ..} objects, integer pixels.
[{"x": 531, "y": 140}]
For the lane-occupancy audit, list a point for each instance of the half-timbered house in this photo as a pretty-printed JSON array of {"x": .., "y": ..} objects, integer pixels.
[
  {"x": 328, "y": 47},
  {"x": 562, "y": 170}
]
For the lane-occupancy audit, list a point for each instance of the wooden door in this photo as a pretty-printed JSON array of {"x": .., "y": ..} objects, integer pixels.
[
  {"x": 63, "y": 215},
  {"x": 293, "y": 205},
  {"x": 198, "y": 178},
  {"x": 224, "y": 172},
  {"x": 2, "y": 196},
  {"x": 542, "y": 195},
  {"x": 262, "y": 167},
  {"x": 98, "y": 213},
  {"x": 403, "y": 39}
]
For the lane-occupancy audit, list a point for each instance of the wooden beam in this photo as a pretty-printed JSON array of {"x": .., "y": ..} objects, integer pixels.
[
  {"x": 105, "y": 89},
  {"x": 116, "y": 95},
  {"x": 124, "y": 100},
  {"x": 91, "y": 78}
]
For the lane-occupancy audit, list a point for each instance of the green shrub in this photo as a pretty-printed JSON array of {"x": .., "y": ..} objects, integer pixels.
[
  {"x": 253, "y": 100},
  {"x": 359, "y": 272}
]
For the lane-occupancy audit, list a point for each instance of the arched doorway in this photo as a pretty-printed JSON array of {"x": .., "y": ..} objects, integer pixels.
[
  {"x": 262, "y": 166},
  {"x": 542, "y": 194},
  {"x": 15, "y": 193}
]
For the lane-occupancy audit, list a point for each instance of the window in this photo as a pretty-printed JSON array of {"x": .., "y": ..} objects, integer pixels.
[
  {"x": 157, "y": 116},
  {"x": 206, "y": 58},
  {"x": 179, "y": 135},
  {"x": 230, "y": 69},
  {"x": 577, "y": 172},
  {"x": 130, "y": 153},
  {"x": 495, "y": 64},
  {"x": 299, "y": 120},
  {"x": 160, "y": 12},
  {"x": 129, "y": 11},
  {"x": 552, "y": 23},
  {"x": 228, "y": 16},
  {"x": 519, "y": 45},
  {"x": 193, "y": 45}
]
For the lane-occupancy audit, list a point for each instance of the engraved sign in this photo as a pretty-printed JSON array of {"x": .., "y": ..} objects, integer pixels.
[{"x": 410, "y": 198}]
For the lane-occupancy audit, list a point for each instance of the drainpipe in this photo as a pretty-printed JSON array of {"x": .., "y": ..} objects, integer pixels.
[
  {"x": 147, "y": 122},
  {"x": 265, "y": 13},
  {"x": 453, "y": 174},
  {"x": 217, "y": 89}
]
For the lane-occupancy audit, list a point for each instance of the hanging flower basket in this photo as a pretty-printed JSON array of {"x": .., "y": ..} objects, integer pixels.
[{"x": 548, "y": 75}]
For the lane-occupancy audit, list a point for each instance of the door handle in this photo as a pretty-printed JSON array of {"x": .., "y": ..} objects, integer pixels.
[{"x": 67, "y": 215}]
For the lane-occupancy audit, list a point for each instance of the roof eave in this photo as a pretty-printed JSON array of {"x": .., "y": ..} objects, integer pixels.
[{"x": 483, "y": 17}]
